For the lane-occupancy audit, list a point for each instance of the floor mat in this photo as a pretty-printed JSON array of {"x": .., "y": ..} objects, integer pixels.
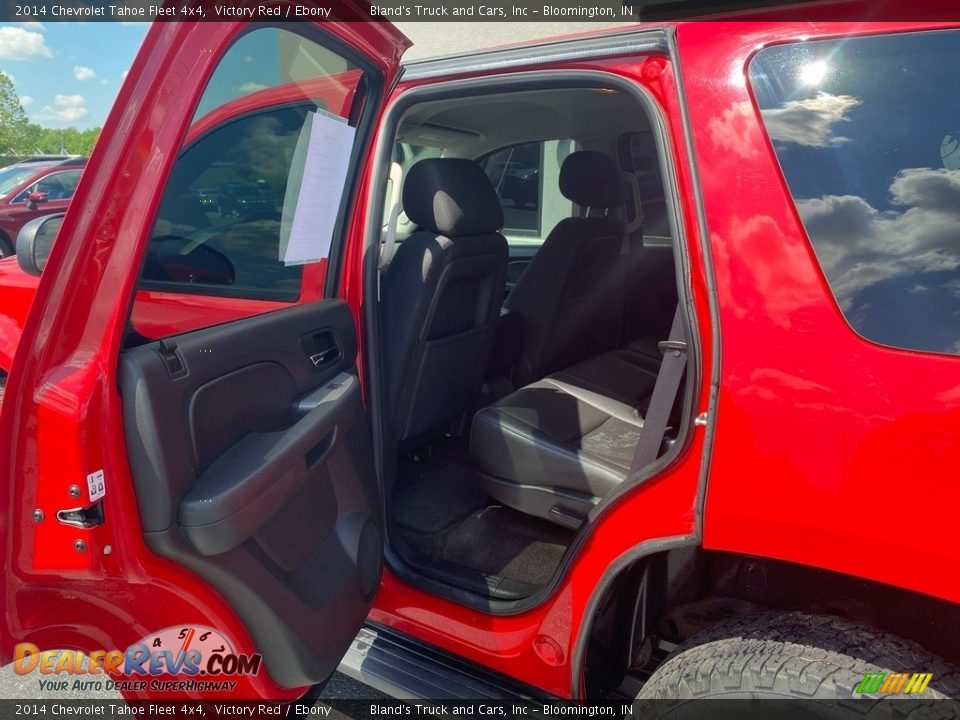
[
  {"x": 503, "y": 542},
  {"x": 441, "y": 512},
  {"x": 436, "y": 500}
]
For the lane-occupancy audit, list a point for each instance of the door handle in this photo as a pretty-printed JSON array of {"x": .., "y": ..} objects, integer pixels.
[
  {"x": 85, "y": 516},
  {"x": 321, "y": 348},
  {"x": 320, "y": 358}
]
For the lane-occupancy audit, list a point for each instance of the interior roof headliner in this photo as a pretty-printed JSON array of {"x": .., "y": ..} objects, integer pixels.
[{"x": 473, "y": 125}]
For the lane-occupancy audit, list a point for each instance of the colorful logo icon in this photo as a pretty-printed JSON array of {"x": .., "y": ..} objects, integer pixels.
[
  {"x": 894, "y": 683},
  {"x": 199, "y": 658}
]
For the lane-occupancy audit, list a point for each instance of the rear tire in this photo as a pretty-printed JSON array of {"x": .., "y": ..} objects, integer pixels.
[{"x": 791, "y": 655}]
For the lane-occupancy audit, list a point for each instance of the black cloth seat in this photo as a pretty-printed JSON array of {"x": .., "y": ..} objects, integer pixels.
[
  {"x": 570, "y": 297},
  {"x": 441, "y": 295},
  {"x": 554, "y": 448}
]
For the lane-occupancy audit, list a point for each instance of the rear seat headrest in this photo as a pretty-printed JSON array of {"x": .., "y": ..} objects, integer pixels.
[
  {"x": 592, "y": 179},
  {"x": 451, "y": 196}
]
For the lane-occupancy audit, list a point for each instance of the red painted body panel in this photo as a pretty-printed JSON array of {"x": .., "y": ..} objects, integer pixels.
[
  {"x": 16, "y": 296},
  {"x": 824, "y": 453},
  {"x": 830, "y": 450},
  {"x": 156, "y": 314},
  {"x": 61, "y": 417}
]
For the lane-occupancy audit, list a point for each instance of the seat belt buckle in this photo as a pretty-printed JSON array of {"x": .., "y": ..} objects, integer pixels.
[{"x": 674, "y": 346}]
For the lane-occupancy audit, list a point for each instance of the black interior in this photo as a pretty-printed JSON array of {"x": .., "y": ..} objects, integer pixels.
[
  {"x": 445, "y": 521},
  {"x": 490, "y": 500},
  {"x": 442, "y": 296},
  {"x": 251, "y": 457}
]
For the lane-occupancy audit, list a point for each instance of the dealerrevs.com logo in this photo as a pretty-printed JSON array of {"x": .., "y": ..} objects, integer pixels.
[{"x": 178, "y": 659}]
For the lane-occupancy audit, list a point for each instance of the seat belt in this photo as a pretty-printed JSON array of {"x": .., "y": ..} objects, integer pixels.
[{"x": 665, "y": 390}]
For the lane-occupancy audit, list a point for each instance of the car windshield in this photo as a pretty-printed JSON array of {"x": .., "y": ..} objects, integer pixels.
[{"x": 13, "y": 176}]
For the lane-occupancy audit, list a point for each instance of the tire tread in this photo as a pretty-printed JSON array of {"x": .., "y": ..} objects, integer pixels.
[{"x": 793, "y": 654}]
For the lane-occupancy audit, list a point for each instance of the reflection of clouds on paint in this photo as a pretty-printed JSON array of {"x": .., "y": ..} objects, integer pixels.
[
  {"x": 809, "y": 122},
  {"x": 774, "y": 289},
  {"x": 860, "y": 246},
  {"x": 731, "y": 131}
]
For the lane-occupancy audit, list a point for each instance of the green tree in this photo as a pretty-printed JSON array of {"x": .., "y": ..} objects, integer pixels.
[
  {"x": 20, "y": 138},
  {"x": 13, "y": 120}
]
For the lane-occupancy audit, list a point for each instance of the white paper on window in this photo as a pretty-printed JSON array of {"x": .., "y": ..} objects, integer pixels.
[{"x": 315, "y": 187}]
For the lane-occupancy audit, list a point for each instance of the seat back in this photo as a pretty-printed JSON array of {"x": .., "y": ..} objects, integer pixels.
[
  {"x": 570, "y": 297},
  {"x": 441, "y": 295}
]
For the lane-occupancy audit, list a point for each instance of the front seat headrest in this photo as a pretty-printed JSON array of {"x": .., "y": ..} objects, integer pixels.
[
  {"x": 451, "y": 196},
  {"x": 592, "y": 179}
]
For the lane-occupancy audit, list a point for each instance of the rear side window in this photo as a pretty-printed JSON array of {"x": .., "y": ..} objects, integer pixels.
[
  {"x": 867, "y": 132},
  {"x": 527, "y": 180},
  {"x": 252, "y": 197}
]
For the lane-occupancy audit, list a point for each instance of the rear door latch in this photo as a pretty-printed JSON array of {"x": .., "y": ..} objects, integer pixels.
[{"x": 87, "y": 516}]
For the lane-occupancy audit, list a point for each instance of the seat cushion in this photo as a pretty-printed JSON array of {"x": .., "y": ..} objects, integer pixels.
[{"x": 555, "y": 447}]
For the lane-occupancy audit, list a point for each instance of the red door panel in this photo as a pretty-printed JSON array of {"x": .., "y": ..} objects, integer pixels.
[{"x": 62, "y": 418}]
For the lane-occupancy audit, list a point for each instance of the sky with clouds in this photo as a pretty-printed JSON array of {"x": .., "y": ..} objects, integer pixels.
[{"x": 68, "y": 74}]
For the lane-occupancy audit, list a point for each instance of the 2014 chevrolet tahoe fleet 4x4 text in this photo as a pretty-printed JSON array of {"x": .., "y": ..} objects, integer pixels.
[{"x": 301, "y": 364}]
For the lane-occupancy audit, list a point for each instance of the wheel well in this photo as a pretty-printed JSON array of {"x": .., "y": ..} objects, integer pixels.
[{"x": 663, "y": 599}]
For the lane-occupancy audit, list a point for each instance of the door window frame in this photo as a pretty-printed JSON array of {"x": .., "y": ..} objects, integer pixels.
[
  {"x": 668, "y": 159},
  {"x": 369, "y": 92}
]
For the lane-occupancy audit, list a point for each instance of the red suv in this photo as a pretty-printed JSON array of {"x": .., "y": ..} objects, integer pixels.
[
  {"x": 33, "y": 188},
  {"x": 684, "y": 425}
]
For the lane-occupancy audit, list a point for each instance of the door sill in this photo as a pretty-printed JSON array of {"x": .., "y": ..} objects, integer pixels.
[{"x": 405, "y": 669}]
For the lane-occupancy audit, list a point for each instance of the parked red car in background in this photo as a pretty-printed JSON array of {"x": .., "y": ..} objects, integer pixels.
[
  {"x": 33, "y": 188},
  {"x": 285, "y": 426}
]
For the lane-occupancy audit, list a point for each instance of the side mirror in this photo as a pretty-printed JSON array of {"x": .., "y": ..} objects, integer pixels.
[
  {"x": 36, "y": 197},
  {"x": 35, "y": 241}
]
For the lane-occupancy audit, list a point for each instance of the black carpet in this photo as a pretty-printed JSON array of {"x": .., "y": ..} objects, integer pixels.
[
  {"x": 434, "y": 501},
  {"x": 441, "y": 512},
  {"x": 503, "y": 542}
]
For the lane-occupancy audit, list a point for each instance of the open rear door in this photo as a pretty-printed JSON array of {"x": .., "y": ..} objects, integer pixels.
[{"x": 190, "y": 470}]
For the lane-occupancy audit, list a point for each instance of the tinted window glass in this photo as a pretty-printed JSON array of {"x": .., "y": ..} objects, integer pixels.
[
  {"x": 867, "y": 131},
  {"x": 638, "y": 157},
  {"x": 224, "y": 224},
  {"x": 526, "y": 178}
]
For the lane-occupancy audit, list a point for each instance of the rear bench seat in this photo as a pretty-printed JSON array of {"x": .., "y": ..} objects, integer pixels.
[{"x": 555, "y": 447}]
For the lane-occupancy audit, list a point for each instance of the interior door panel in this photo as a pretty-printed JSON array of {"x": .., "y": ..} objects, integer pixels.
[{"x": 251, "y": 457}]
